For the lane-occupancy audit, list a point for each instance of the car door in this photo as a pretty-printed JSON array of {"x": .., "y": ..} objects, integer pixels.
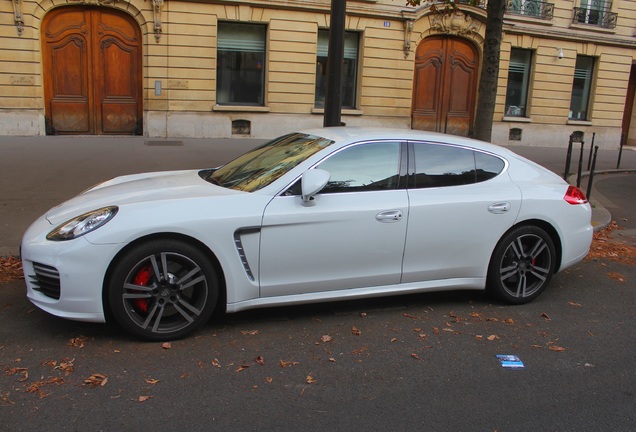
[
  {"x": 461, "y": 202},
  {"x": 351, "y": 237}
]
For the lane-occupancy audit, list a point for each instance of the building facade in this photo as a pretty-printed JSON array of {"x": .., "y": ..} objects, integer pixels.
[{"x": 208, "y": 68}]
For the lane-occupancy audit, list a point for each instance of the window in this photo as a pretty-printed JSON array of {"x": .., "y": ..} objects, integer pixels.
[
  {"x": 364, "y": 167},
  {"x": 349, "y": 69},
  {"x": 581, "y": 88},
  {"x": 518, "y": 82},
  {"x": 240, "y": 69},
  {"x": 440, "y": 166}
]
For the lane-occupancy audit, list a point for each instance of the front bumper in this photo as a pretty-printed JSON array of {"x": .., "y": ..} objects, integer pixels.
[{"x": 65, "y": 278}]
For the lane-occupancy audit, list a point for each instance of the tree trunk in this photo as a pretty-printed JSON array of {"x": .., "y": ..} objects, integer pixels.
[{"x": 487, "y": 92}]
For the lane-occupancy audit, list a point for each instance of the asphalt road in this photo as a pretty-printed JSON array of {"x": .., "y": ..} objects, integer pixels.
[{"x": 422, "y": 362}]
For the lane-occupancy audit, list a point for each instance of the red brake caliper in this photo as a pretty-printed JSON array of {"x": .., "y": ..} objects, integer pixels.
[{"x": 141, "y": 278}]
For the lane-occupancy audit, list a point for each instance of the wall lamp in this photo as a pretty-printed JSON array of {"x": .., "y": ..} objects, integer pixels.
[{"x": 559, "y": 53}]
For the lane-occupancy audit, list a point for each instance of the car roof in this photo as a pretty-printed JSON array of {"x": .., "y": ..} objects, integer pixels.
[{"x": 351, "y": 134}]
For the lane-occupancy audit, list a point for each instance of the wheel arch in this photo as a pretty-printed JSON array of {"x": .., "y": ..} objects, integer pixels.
[
  {"x": 222, "y": 300},
  {"x": 550, "y": 230}
]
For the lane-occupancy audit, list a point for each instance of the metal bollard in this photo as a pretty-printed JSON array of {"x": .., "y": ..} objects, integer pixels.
[
  {"x": 620, "y": 151},
  {"x": 578, "y": 174},
  {"x": 568, "y": 158},
  {"x": 589, "y": 158},
  {"x": 591, "y": 178}
]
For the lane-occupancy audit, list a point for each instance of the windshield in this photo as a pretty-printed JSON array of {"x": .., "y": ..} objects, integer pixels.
[{"x": 263, "y": 165}]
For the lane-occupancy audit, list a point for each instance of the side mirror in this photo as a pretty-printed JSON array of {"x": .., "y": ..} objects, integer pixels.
[{"x": 311, "y": 183}]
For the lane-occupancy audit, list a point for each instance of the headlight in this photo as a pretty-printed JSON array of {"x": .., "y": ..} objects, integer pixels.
[{"x": 82, "y": 224}]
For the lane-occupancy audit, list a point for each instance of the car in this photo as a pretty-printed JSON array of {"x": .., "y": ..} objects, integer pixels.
[{"x": 312, "y": 216}]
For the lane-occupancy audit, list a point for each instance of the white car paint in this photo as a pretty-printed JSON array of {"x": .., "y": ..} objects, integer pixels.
[{"x": 342, "y": 246}]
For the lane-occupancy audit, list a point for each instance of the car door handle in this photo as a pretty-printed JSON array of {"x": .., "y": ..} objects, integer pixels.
[
  {"x": 389, "y": 216},
  {"x": 499, "y": 208}
]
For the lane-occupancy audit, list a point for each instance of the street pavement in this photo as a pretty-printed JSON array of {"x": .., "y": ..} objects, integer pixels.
[
  {"x": 420, "y": 362},
  {"x": 37, "y": 173}
]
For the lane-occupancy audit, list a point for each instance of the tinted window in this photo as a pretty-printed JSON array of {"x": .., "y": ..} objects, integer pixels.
[
  {"x": 439, "y": 166},
  {"x": 488, "y": 166},
  {"x": 364, "y": 167}
]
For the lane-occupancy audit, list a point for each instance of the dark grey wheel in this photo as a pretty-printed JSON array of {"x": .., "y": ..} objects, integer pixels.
[
  {"x": 522, "y": 265},
  {"x": 163, "y": 290}
]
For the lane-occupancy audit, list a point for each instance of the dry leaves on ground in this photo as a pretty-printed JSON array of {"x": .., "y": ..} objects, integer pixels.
[
  {"x": 605, "y": 247},
  {"x": 10, "y": 269}
]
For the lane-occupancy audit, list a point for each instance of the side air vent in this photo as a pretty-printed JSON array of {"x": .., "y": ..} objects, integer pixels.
[{"x": 46, "y": 280}]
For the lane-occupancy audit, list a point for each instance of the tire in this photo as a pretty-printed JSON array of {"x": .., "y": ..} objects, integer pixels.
[
  {"x": 522, "y": 265},
  {"x": 162, "y": 290}
]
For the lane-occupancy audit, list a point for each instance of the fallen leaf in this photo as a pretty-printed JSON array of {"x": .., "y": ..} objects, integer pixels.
[
  {"x": 326, "y": 338},
  {"x": 260, "y": 360},
  {"x": 479, "y": 337},
  {"x": 355, "y": 331},
  {"x": 250, "y": 332},
  {"x": 200, "y": 364},
  {"x": 509, "y": 321},
  {"x": 96, "y": 380},
  {"x": 556, "y": 348},
  {"x": 410, "y": 316},
  {"x": 332, "y": 360},
  {"x": 310, "y": 379},
  {"x": 415, "y": 356},
  {"x": 152, "y": 381},
  {"x": 242, "y": 368},
  {"x": 616, "y": 276},
  {"x": 144, "y": 398},
  {"x": 574, "y": 304},
  {"x": 546, "y": 316},
  {"x": 363, "y": 314},
  {"x": 394, "y": 339},
  {"x": 77, "y": 342},
  {"x": 492, "y": 337},
  {"x": 285, "y": 364},
  {"x": 216, "y": 363},
  {"x": 435, "y": 330},
  {"x": 166, "y": 345},
  {"x": 360, "y": 350},
  {"x": 269, "y": 380},
  {"x": 66, "y": 365}
]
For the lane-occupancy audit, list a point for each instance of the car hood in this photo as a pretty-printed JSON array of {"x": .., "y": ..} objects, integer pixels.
[{"x": 138, "y": 188}]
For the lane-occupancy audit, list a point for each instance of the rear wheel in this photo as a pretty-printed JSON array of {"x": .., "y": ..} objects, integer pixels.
[
  {"x": 163, "y": 290},
  {"x": 522, "y": 265}
]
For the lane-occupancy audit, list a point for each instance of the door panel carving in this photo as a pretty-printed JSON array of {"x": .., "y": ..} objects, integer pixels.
[
  {"x": 92, "y": 71},
  {"x": 445, "y": 84}
]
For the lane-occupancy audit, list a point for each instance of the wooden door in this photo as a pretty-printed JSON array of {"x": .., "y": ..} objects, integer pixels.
[
  {"x": 92, "y": 71},
  {"x": 445, "y": 84}
]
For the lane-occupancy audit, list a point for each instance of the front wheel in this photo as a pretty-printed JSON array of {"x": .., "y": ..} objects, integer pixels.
[
  {"x": 162, "y": 290},
  {"x": 522, "y": 265}
]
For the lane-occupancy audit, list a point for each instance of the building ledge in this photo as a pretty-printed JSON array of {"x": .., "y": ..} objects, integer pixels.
[
  {"x": 517, "y": 119},
  {"x": 351, "y": 112},
  {"x": 240, "y": 108},
  {"x": 579, "y": 122}
]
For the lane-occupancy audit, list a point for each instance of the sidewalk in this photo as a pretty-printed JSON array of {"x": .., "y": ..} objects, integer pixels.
[{"x": 37, "y": 173}]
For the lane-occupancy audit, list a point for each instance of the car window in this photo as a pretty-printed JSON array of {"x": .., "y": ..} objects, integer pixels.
[
  {"x": 438, "y": 165},
  {"x": 488, "y": 166},
  {"x": 363, "y": 167},
  {"x": 263, "y": 165}
]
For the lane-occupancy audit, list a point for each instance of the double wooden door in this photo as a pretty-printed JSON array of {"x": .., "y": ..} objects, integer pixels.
[
  {"x": 92, "y": 71},
  {"x": 445, "y": 85}
]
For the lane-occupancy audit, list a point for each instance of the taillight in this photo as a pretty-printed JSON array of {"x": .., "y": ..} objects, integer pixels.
[{"x": 575, "y": 196}]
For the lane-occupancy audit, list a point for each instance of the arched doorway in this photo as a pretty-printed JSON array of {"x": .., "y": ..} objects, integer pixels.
[
  {"x": 92, "y": 71},
  {"x": 445, "y": 85}
]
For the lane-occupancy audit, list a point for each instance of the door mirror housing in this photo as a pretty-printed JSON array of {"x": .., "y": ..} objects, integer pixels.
[{"x": 311, "y": 183}]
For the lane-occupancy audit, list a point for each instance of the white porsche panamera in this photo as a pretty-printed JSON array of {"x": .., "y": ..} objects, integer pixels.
[{"x": 320, "y": 215}]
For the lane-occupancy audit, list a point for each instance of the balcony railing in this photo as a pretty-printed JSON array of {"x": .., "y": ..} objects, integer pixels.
[
  {"x": 597, "y": 14},
  {"x": 531, "y": 8}
]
